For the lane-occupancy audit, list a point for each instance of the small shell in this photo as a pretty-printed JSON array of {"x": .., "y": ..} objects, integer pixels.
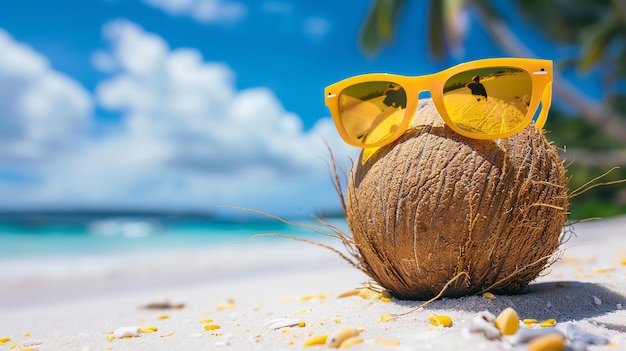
[
  {"x": 484, "y": 323},
  {"x": 576, "y": 334},
  {"x": 508, "y": 321},
  {"x": 122, "y": 332},
  {"x": 282, "y": 323},
  {"x": 340, "y": 335},
  {"x": 550, "y": 342}
]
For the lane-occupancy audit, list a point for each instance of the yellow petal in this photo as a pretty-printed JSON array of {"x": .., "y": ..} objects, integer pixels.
[{"x": 508, "y": 321}]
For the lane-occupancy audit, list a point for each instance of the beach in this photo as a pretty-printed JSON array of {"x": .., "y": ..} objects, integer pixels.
[{"x": 275, "y": 294}]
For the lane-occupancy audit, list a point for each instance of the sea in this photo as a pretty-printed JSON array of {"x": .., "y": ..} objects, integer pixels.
[{"x": 67, "y": 234}]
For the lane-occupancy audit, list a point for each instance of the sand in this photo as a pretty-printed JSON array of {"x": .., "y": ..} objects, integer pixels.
[{"x": 74, "y": 304}]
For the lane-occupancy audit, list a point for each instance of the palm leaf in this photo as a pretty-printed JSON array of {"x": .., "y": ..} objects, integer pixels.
[{"x": 380, "y": 25}]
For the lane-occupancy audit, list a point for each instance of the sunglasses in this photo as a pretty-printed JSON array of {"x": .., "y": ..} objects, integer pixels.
[{"x": 484, "y": 99}]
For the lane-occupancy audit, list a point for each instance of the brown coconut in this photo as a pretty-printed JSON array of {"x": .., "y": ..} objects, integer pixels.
[{"x": 436, "y": 212}]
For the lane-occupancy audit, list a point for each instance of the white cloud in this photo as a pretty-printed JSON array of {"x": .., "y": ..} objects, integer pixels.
[
  {"x": 206, "y": 11},
  {"x": 277, "y": 7},
  {"x": 42, "y": 111},
  {"x": 188, "y": 139},
  {"x": 316, "y": 28}
]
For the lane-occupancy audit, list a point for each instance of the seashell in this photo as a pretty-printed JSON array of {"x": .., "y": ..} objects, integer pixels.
[
  {"x": 340, "y": 335},
  {"x": 122, "y": 332},
  {"x": 282, "y": 323},
  {"x": 576, "y": 334},
  {"x": 484, "y": 323}
]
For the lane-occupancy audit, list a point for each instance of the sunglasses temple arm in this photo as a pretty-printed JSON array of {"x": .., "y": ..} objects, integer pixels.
[{"x": 546, "y": 101}]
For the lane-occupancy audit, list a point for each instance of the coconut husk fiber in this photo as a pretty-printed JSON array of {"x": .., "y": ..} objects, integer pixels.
[{"x": 438, "y": 214}]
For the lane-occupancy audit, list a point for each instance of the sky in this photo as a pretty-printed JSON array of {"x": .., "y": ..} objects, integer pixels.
[{"x": 189, "y": 104}]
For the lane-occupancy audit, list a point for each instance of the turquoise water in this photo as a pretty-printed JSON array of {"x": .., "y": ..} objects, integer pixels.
[{"x": 124, "y": 235}]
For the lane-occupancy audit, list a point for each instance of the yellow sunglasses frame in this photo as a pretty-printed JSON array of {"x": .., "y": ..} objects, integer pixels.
[{"x": 539, "y": 70}]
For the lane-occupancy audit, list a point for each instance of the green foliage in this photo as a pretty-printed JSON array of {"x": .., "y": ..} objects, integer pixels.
[
  {"x": 570, "y": 132},
  {"x": 380, "y": 25}
]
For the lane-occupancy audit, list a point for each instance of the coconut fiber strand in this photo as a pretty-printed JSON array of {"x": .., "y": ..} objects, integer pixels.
[{"x": 434, "y": 205}]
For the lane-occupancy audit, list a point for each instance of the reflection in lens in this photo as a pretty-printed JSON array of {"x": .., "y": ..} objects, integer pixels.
[
  {"x": 488, "y": 100},
  {"x": 372, "y": 111}
]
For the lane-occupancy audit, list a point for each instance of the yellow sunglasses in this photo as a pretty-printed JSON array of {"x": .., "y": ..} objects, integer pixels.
[{"x": 484, "y": 99}]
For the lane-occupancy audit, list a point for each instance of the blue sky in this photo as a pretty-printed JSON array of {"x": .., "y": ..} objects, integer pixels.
[{"x": 188, "y": 104}]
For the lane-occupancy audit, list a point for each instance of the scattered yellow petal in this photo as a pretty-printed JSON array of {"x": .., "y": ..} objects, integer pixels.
[
  {"x": 385, "y": 299},
  {"x": 440, "y": 320},
  {"x": 530, "y": 321},
  {"x": 225, "y": 307},
  {"x": 508, "y": 321},
  {"x": 624, "y": 261},
  {"x": 369, "y": 294},
  {"x": 4, "y": 340},
  {"x": 302, "y": 324},
  {"x": 387, "y": 342},
  {"x": 489, "y": 296},
  {"x": 351, "y": 341},
  {"x": 603, "y": 270},
  {"x": 211, "y": 327},
  {"x": 349, "y": 293},
  {"x": 148, "y": 329},
  {"x": 26, "y": 335},
  {"x": 110, "y": 337},
  {"x": 550, "y": 342},
  {"x": 316, "y": 340},
  {"x": 208, "y": 320},
  {"x": 299, "y": 312},
  {"x": 386, "y": 317},
  {"x": 162, "y": 317},
  {"x": 548, "y": 323},
  {"x": 13, "y": 346},
  {"x": 313, "y": 297}
]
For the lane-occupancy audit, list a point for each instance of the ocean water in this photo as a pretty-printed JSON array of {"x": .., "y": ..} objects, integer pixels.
[{"x": 118, "y": 235}]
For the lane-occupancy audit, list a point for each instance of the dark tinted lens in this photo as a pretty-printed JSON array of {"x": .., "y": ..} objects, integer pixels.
[
  {"x": 372, "y": 111},
  {"x": 488, "y": 100}
]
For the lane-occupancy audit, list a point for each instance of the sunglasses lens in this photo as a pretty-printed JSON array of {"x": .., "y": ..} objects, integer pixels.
[
  {"x": 488, "y": 100},
  {"x": 371, "y": 112}
]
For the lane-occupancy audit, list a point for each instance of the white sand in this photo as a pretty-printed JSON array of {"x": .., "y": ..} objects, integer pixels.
[{"x": 72, "y": 305}]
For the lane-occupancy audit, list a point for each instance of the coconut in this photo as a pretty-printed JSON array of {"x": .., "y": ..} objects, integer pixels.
[{"x": 437, "y": 214}]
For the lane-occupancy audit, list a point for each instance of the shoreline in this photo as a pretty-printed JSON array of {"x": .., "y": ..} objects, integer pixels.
[{"x": 242, "y": 287}]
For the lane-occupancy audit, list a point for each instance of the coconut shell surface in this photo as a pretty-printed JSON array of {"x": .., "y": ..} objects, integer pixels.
[{"x": 435, "y": 205}]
